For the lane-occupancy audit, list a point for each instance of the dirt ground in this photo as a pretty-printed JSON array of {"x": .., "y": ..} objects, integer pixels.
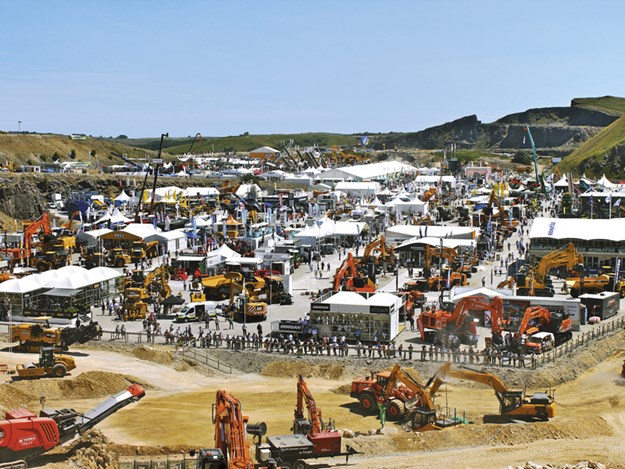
[{"x": 176, "y": 413}]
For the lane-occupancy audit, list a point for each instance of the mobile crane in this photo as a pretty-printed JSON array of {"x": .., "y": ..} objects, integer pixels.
[
  {"x": 513, "y": 405},
  {"x": 26, "y": 435},
  {"x": 539, "y": 180}
]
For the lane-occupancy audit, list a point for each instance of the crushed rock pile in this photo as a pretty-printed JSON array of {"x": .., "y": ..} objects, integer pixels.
[
  {"x": 290, "y": 368},
  {"x": 91, "y": 384},
  {"x": 579, "y": 465}
]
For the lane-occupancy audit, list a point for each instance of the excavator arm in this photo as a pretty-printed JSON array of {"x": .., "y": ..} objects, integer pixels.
[
  {"x": 534, "y": 312},
  {"x": 230, "y": 431},
  {"x": 567, "y": 256},
  {"x": 314, "y": 413},
  {"x": 347, "y": 268},
  {"x": 397, "y": 374}
]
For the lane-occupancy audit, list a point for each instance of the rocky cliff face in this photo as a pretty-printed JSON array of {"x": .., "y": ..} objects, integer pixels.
[{"x": 551, "y": 128}]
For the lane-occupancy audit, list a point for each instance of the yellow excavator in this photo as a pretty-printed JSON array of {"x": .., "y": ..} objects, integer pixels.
[
  {"x": 138, "y": 294},
  {"x": 513, "y": 405},
  {"x": 535, "y": 282}
]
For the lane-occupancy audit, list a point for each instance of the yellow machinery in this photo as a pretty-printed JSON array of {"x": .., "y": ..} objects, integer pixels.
[
  {"x": 513, "y": 405},
  {"x": 420, "y": 407},
  {"x": 535, "y": 282},
  {"x": 33, "y": 337},
  {"x": 143, "y": 250},
  {"x": 49, "y": 364},
  {"x": 138, "y": 294},
  {"x": 385, "y": 257},
  {"x": 117, "y": 257},
  {"x": 230, "y": 284}
]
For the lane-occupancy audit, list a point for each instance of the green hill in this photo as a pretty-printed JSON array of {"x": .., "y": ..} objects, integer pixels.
[
  {"x": 245, "y": 142},
  {"x": 603, "y": 153},
  {"x": 35, "y": 149},
  {"x": 608, "y": 104}
]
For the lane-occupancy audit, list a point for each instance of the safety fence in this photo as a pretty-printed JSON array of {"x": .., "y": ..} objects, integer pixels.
[{"x": 190, "y": 346}]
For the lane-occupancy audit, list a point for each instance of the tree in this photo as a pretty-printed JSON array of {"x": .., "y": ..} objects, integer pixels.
[
  {"x": 92, "y": 153},
  {"x": 122, "y": 137},
  {"x": 72, "y": 154}
]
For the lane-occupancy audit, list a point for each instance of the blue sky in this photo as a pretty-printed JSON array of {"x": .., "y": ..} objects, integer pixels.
[{"x": 142, "y": 68}]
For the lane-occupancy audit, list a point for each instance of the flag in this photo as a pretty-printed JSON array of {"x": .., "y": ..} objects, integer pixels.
[
  {"x": 194, "y": 226},
  {"x": 617, "y": 203},
  {"x": 608, "y": 199},
  {"x": 449, "y": 278}
]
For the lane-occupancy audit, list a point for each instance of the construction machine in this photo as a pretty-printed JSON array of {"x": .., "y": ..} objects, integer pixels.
[
  {"x": 508, "y": 224},
  {"x": 324, "y": 437},
  {"x": 384, "y": 259},
  {"x": 32, "y": 337},
  {"x": 540, "y": 319},
  {"x": 347, "y": 277},
  {"x": 49, "y": 364},
  {"x": 26, "y": 435},
  {"x": 116, "y": 257},
  {"x": 421, "y": 408},
  {"x": 513, "y": 405},
  {"x": 232, "y": 449},
  {"x": 230, "y": 285},
  {"x": 456, "y": 327},
  {"x": 143, "y": 250},
  {"x": 579, "y": 285},
  {"x": 52, "y": 260},
  {"x": 135, "y": 303},
  {"x": 457, "y": 275},
  {"x": 536, "y": 281},
  {"x": 370, "y": 389},
  {"x": 414, "y": 297}
]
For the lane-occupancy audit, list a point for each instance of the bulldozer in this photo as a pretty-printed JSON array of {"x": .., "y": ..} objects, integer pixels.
[
  {"x": 49, "y": 364},
  {"x": 142, "y": 250}
]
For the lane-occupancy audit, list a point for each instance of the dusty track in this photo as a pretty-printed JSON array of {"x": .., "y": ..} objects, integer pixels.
[{"x": 177, "y": 412}]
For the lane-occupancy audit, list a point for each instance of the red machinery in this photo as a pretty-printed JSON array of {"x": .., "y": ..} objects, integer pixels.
[
  {"x": 370, "y": 389},
  {"x": 23, "y": 435},
  {"x": 324, "y": 437},
  {"x": 436, "y": 325},
  {"x": 348, "y": 278}
]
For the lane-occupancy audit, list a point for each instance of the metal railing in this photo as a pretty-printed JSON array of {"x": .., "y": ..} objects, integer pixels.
[{"x": 199, "y": 356}]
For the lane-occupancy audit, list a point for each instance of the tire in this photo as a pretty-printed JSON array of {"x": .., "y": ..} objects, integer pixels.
[
  {"x": 299, "y": 464},
  {"x": 119, "y": 263},
  {"x": 367, "y": 402},
  {"x": 42, "y": 266},
  {"x": 395, "y": 410},
  {"x": 285, "y": 465},
  {"x": 59, "y": 370}
]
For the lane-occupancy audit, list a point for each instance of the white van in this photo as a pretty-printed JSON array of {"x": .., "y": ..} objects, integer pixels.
[{"x": 196, "y": 311}]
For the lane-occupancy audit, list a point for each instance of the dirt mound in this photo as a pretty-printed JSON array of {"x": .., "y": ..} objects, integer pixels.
[
  {"x": 91, "y": 384},
  {"x": 13, "y": 398},
  {"x": 162, "y": 357},
  {"x": 344, "y": 389},
  {"x": 290, "y": 368}
]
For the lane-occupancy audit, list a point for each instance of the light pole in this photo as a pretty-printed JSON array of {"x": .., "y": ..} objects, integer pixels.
[{"x": 19, "y": 127}]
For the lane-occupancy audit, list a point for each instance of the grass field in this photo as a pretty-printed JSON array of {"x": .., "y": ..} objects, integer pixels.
[
  {"x": 598, "y": 146},
  {"x": 244, "y": 143},
  {"x": 608, "y": 104}
]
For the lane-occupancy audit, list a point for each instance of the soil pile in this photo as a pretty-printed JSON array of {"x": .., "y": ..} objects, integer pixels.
[
  {"x": 290, "y": 368},
  {"x": 162, "y": 357},
  {"x": 91, "y": 384}
]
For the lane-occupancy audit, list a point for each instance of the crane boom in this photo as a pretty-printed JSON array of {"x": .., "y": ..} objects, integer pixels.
[{"x": 535, "y": 158}]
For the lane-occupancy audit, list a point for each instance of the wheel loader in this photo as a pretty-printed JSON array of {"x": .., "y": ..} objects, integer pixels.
[{"x": 50, "y": 364}]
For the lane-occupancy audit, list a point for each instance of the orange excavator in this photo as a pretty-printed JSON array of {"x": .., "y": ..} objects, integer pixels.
[
  {"x": 232, "y": 449},
  {"x": 422, "y": 410},
  {"x": 324, "y": 437},
  {"x": 439, "y": 325},
  {"x": 348, "y": 278},
  {"x": 438, "y": 282},
  {"x": 386, "y": 254},
  {"x": 540, "y": 319}
]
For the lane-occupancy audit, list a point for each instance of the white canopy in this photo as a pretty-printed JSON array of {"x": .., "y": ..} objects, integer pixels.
[{"x": 123, "y": 197}]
